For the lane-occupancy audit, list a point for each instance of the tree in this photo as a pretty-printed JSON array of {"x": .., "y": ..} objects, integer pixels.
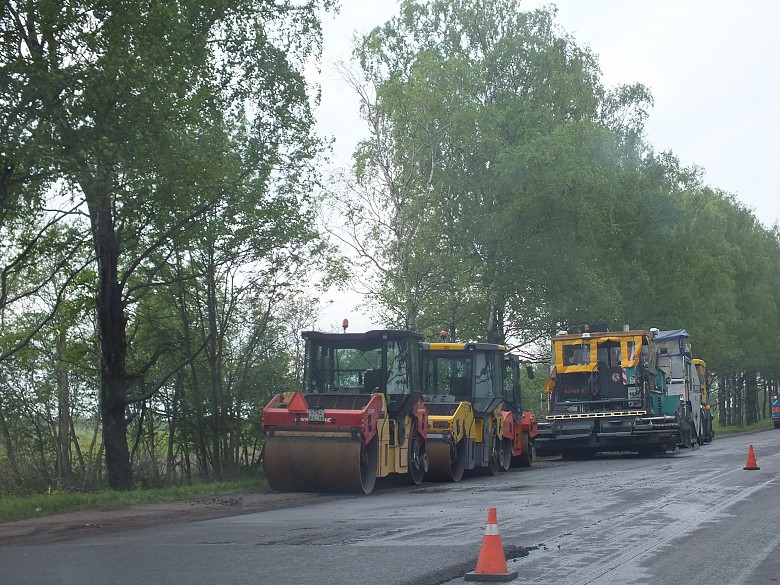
[
  {"x": 150, "y": 115},
  {"x": 494, "y": 149}
]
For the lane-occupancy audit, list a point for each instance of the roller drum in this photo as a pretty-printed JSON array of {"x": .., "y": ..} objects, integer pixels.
[
  {"x": 506, "y": 454},
  {"x": 445, "y": 461},
  {"x": 320, "y": 464}
]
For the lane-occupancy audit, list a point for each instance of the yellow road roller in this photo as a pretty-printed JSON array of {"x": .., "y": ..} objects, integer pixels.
[
  {"x": 462, "y": 390},
  {"x": 475, "y": 410}
]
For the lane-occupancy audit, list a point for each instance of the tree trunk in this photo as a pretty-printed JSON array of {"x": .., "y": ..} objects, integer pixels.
[
  {"x": 214, "y": 356},
  {"x": 739, "y": 399},
  {"x": 199, "y": 424},
  {"x": 10, "y": 451},
  {"x": 64, "y": 459},
  {"x": 173, "y": 419},
  {"x": 111, "y": 323},
  {"x": 722, "y": 409}
]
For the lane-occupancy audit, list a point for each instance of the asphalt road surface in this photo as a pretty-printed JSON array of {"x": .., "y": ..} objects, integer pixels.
[{"x": 696, "y": 517}]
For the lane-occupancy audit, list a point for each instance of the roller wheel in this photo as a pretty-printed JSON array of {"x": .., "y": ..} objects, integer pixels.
[
  {"x": 506, "y": 454},
  {"x": 321, "y": 464},
  {"x": 418, "y": 459},
  {"x": 528, "y": 456},
  {"x": 494, "y": 462},
  {"x": 447, "y": 462},
  {"x": 369, "y": 458}
]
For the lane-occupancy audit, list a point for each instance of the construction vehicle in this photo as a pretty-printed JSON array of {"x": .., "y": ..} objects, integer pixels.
[
  {"x": 360, "y": 415},
  {"x": 519, "y": 425},
  {"x": 706, "y": 407},
  {"x": 476, "y": 420},
  {"x": 776, "y": 411},
  {"x": 606, "y": 393},
  {"x": 674, "y": 358}
]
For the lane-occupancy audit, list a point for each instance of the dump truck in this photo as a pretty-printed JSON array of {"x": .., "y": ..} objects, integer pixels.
[
  {"x": 606, "y": 393},
  {"x": 706, "y": 398},
  {"x": 476, "y": 421},
  {"x": 359, "y": 417}
]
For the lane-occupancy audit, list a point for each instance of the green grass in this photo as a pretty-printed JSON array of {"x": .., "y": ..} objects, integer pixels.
[
  {"x": 16, "y": 508},
  {"x": 730, "y": 430}
]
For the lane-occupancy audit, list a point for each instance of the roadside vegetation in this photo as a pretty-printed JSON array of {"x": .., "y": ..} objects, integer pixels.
[
  {"x": 761, "y": 425},
  {"x": 168, "y": 219},
  {"x": 57, "y": 502}
]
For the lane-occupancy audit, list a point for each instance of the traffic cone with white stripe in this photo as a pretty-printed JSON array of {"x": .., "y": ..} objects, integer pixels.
[
  {"x": 751, "y": 464},
  {"x": 491, "y": 565}
]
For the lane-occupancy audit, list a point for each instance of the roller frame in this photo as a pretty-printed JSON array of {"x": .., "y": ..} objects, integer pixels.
[{"x": 326, "y": 456}]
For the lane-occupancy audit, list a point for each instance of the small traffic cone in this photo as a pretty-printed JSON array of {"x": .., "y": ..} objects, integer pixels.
[
  {"x": 751, "y": 462},
  {"x": 491, "y": 565}
]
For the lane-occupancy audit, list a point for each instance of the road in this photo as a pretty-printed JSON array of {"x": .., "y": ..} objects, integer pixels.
[{"x": 695, "y": 518}]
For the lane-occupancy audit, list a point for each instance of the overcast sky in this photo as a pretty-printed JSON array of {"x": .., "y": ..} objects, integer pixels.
[{"x": 713, "y": 67}]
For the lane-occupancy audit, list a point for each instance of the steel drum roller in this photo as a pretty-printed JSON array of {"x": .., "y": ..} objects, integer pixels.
[
  {"x": 320, "y": 464},
  {"x": 441, "y": 466}
]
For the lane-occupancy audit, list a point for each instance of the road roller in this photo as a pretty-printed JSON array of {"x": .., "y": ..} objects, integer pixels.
[
  {"x": 519, "y": 427},
  {"x": 475, "y": 414},
  {"x": 359, "y": 417}
]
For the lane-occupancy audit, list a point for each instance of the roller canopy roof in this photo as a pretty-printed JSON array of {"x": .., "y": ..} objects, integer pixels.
[{"x": 670, "y": 334}]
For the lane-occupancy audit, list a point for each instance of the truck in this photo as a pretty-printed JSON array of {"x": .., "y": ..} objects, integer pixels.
[
  {"x": 476, "y": 420},
  {"x": 359, "y": 417},
  {"x": 606, "y": 392}
]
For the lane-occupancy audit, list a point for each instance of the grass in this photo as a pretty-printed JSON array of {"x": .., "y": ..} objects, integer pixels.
[
  {"x": 730, "y": 430},
  {"x": 17, "y": 508}
]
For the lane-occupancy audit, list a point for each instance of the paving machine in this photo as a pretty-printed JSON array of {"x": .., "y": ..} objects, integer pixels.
[
  {"x": 607, "y": 393},
  {"x": 476, "y": 421},
  {"x": 360, "y": 415}
]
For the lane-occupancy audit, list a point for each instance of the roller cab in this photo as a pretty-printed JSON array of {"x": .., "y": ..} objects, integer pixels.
[{"x": 359, "y": 417}]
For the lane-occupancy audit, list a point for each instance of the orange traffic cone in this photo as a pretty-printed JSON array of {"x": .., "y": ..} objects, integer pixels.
[
  {"x": 751, "y": 462},
  {"x": 491, "y": 565}
]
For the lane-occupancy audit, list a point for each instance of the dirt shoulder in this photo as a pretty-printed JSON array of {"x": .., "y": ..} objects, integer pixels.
[{"x": 71, "y": 525}]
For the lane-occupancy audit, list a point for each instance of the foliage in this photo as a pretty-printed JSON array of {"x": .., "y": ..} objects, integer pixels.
[
  {"x": 504, "y": 193},
  {"x": 157, "y": 132}
]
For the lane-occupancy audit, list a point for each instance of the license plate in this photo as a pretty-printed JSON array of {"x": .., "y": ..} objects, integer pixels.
[{"x": 316, "y": 415}]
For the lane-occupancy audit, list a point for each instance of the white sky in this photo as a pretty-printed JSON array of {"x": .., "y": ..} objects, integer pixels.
[{"x": 713, "y": 67}]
